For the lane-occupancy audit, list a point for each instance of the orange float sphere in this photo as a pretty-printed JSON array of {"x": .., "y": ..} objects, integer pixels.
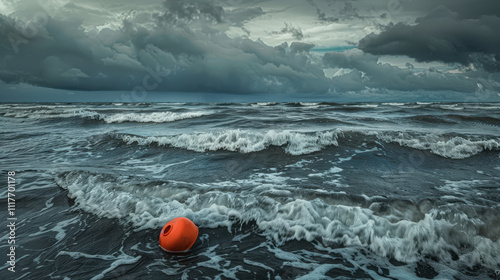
[{"x": 178, "y": 235}]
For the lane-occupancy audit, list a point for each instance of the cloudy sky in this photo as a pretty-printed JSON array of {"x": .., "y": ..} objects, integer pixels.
[{"x": 366, "y": 49}]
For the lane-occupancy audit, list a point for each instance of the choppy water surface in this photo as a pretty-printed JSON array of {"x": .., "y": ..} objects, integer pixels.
[{"x": 278, "y": 190}]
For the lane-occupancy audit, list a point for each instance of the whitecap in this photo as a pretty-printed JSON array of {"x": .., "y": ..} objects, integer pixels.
[{"x": 244, "y": 141}]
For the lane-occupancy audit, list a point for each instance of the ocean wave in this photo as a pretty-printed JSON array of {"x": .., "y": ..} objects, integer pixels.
[
  {"x": 433, "y": 119},
  {"x": 308, "y": 103},
  {"x": 243, "y": 141},
  {"x": 362, "y": 105},
  {"x": 154, "y": 117},
  {"x": 263, "y": 104},
  {"x": 454, "y": 147},
  {"x": 39, "y": 113},
  {"x": 446, "y": 232},
  {"x": 452, "y": 107},
  {"x": 394, "y": 104},
  {"x": 300, "y": 143},
  {"x": 312, "y": 105}
]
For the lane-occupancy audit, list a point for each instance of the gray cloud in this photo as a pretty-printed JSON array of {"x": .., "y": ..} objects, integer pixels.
[
  {"x": 289, "y": 29},
  {"x": 186, "y": 46},
  {"x": 189, "y": 10},
  {"x": 367, "y": 72},
  {"x": 341, "y": 9},
  {"x": 241, "y": 15},
  {"x": 450, "y": 36},
  {"x": 464, "y": 8},
  {"x": 63, "y": 55},
  {"x": 299, "y": 47}
]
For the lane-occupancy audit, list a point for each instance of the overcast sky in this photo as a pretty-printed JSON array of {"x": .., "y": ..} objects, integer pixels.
[{"x": 361, "y": 48}]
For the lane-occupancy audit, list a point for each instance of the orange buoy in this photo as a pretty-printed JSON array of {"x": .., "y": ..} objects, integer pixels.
[{"x": 178, "y": 235}]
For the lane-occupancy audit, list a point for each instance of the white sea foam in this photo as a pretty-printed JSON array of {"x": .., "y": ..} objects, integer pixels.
[
  {"x": 439, "y": 231},
  {"x": 299, "y": 164},
  {"x": 484, "y": 107},
  {"x": 261, "y": 104},
  {"x": 122, "y": 259},
  {"x": 362, "y": 105},
  {"x": 154, "y": 117},
  {"x": 309, "y": 104},
  {"x": 295, "y": 143},
  {"x": 258, "y": 264},
  {"x": 453, "y": 147},
  {"x": 453, "y": 107},
  {"x": 59, "y": 228},
  {"x": 394, "y": 104},
  {"x": 39, "y": 114},
  {"x": 464, "y": 188}
]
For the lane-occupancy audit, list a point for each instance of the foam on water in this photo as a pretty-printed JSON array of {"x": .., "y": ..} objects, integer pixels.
[
  {"x": 454, "y": 147},
  {"x": 312, "y": 105},
  {"x": 64, "y": 112},
  {"x": 263, "y": 104},
  {"x": 59, "y": 228},
  {"x": 442, "y": 231},
  {"x": 453, "y": 107},
  {"x": 340, "y": 200},
  {"x": 299, "y": 143},
  {"x": 309, "y": 104},
  {"x": 154, "y": 117},
  {"x": 40, "y": 114},
  {"x": 122, "y": 259},
  {"x": 394, "y": 104},
  {"x": 243, "y": 141}
]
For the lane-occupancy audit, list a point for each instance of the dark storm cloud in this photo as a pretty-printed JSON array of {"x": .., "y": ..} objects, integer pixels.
[
  {"x": 299, "y": 47},
  {"x": 289, "y": 29},
  {"x": 241, "y": 15},
  {"x": 190, "y": 10},
  {"x": 341, "y": 9},
  {"x": 195, "y": 10},
  {"x": 464, "y": 8},
  {"x": 63, "y": 55},
  {"x": 367, "y": 72},
  {"x": 451, "y": 36},
  {"x": 184, "y": 47}
]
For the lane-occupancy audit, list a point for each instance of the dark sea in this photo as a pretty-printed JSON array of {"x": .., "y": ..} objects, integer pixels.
[{"x": 278, "y": 190}]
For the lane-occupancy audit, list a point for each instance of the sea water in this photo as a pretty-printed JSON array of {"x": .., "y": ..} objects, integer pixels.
[{"x": 278, "y": 190}]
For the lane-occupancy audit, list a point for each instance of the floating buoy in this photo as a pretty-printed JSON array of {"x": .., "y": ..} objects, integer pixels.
[{"x": 178, "y": 235}]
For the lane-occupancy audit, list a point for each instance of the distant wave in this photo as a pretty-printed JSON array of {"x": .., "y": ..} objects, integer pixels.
[
  {"x": 39, "y": 113},
  {"x": 454, "y": 147},
  {"x": 434, "y": 119},
  {"x": 308, "y": 103},
  {"x": 155, "y": 117},
  {"x": 261, "y": 104},
  {"x": 244, "y": 141},
  {"x": 394, "y": 104}
]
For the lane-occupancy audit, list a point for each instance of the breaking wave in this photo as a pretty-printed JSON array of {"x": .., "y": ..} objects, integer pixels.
[
  {"x": 154, "y": 117},
  {"x": 150, "y": 117},
  {"x": 299, "y": 143},
  {"x": 443, "y": 231},
  {"x": 454, "y": 147},
  {"x": 243, "y": 141}
]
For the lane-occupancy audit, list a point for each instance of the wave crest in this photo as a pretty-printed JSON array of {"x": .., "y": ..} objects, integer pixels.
[
  {"x": 155, "y": 117},
  {"x": 444, "y": 231},
  {"x": 242, "y": 141},
  {"x": 454, "y": 147}
]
